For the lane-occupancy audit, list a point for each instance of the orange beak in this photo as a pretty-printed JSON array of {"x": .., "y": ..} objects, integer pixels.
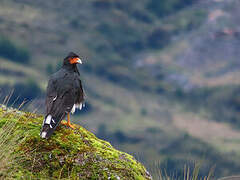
[{"x": 75, "y": 61}]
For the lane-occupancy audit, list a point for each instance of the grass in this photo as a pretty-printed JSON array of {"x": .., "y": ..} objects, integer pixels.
[
  {"x": 30, "y": 151},
  {"x": 6, "y": 143},
  {"x": 36, "y": 157},
  {"x": 162, "y": 116},
  {"x": 51, "y": 49},
  {"x": 120, "y": 119},
  {"x": 9, "y": 140},
  {"x": 73, "y": 154},
  {"x": 187, "y": 174}
]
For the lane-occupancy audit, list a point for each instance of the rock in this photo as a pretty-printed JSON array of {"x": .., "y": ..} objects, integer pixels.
[{"x": 74, "y": 154}]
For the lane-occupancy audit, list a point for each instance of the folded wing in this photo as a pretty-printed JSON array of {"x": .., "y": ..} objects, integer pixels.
[{"x": 58, "y": 105}]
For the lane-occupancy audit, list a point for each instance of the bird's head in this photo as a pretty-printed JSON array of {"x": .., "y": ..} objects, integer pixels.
[{"x": 72, "y": 59}]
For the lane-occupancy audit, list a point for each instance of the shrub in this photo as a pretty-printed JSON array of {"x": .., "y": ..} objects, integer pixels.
[
  {"x": 159, "y": 38},
  {"x": 11, "y": 51},
  {"x": 165, "y": 7}
]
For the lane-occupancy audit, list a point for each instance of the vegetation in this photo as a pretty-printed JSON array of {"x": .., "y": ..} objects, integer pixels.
[
  {"x": 156, "y": 74},
  {"x": 222, "y": 103},
  {"x": 75, "y": 154},
  {"x": 11, "y": 51},
  {"x": 187, "y": 174},
  {"x": 166, "y": 7},
  {"x": 7, "y": 142}
]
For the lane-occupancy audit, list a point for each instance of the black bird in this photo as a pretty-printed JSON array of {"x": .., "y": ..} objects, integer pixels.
[{"x": 64, "y": 94}]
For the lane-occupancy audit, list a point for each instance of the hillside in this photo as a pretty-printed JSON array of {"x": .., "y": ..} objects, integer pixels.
[
  {"x": 75, "y": 154},
  {"x": 161, "y": 85},
  {"x": 206, "y": 56}
]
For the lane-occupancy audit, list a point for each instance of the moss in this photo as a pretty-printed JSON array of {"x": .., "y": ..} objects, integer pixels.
[{"x": 75, "y": 154}]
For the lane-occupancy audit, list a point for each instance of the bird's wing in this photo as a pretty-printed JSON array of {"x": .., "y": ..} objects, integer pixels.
[
  {"x": 81, "y": 94},
  {"x": 51, "y": 95},
  {"x": 58, "y": 104}
]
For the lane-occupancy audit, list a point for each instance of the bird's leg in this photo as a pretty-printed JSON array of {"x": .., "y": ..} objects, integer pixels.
[{"x": 68, "y": 122}]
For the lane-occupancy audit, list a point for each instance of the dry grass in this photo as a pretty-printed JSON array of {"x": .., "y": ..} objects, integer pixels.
[
  {"x": 230, "y": 78},
  {"x": 188, "y": 173},
  {"x": 7, "y": 144},
  {"x": 215, "y": 133},
  {"x": 9, "y": 140}
]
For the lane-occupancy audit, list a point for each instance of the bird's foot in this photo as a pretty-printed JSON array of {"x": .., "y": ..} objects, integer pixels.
[{"x": 68, "y": 125}]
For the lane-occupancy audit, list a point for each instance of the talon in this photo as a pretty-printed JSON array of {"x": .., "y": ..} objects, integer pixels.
[
  {"x": 63, "y": 123},
  {"x": 68, "y": 124},
  {"x": 72, "y": 126}
]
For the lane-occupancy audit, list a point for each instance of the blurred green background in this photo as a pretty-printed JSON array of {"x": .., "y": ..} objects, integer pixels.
[{"x": 161, "y": 77}]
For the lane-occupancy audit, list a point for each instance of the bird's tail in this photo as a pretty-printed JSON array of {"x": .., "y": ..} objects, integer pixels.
[{"x": 48, "y": 126}]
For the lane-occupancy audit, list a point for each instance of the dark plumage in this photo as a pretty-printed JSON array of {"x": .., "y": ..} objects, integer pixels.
[{"x": 64, "y": 94}]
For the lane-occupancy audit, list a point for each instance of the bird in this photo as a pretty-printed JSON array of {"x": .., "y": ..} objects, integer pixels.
[{"x": 63, "y": 96}]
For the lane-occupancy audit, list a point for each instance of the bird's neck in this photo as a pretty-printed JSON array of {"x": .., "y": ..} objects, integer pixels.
[{"x": 71, "y": 67}]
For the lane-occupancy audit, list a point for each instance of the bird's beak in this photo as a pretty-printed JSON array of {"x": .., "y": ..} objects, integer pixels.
[
  {"x": 79, "y": 61},
  {"x": 75, "y": 60}
]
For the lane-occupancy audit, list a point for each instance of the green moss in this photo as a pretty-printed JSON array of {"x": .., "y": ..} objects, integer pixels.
[{"x": 77, "y": 154}]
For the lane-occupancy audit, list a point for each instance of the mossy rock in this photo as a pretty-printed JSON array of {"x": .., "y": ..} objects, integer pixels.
[{"x": 74, "y": 154}]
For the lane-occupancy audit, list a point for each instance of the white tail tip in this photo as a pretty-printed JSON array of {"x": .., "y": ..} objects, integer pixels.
[{"x": 43, "y": 135}]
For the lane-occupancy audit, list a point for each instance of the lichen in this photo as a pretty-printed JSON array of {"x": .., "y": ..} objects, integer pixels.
[{"x": 75, "y": 154}]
